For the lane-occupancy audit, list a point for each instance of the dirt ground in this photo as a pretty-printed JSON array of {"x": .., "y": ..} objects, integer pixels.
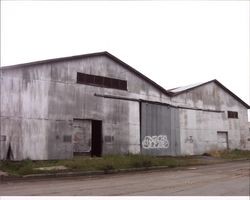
[{"x": 217, "y": 179}]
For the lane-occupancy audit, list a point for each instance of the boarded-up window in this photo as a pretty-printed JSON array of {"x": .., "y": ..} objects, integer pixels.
[
  {"x": 232, "y": 114},
  {"x": 101, "y": 81}
]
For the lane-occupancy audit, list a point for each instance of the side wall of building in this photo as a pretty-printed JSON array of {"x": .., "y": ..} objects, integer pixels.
[
  {"x": 199, "y": 129},
  {"x": 248, "y": 138},
  {"x": 39, "y": 104},
  {"x": 24, "y": 117}
]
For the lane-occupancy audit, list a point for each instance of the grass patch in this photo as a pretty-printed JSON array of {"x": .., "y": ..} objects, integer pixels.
[
  {"x": 105, "y": 163},
  {"x": 113, "y": 162},
  {"x": 229, "y": 154},
  {"x": 17, "y": 168},
  {"x": 235, "y": 154}
]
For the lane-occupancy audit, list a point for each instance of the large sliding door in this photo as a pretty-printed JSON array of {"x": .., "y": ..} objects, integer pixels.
[{"x": 158, "y": 129}]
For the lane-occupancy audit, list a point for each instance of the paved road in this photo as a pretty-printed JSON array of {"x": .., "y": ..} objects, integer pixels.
[{"x": 220, "y": 179}]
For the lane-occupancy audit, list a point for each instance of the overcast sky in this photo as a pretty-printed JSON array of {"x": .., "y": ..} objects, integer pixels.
[{"x": 173, "y": 43}]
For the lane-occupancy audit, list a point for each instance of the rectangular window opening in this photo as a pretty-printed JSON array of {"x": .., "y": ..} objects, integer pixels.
[
  {"x": 67, "y": 138},
  {"x": 232, "y": 114},
  {"x": 3, "y": 138},
  {"x": 101, "y": 81}
]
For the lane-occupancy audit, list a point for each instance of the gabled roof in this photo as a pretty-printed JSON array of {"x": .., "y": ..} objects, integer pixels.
[
  {"x": 180, "y": 90},
  {"x": 104, "y": 53},
  {"x": 170, "y": 92}
]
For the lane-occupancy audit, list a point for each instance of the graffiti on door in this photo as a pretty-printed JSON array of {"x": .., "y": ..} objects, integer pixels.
[{"x": 155, "y": 142}]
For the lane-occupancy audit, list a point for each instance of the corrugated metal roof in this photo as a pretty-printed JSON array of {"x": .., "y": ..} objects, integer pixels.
[
  {"x": 183, "y": 88},
  {"x": 180, "y": 90}
]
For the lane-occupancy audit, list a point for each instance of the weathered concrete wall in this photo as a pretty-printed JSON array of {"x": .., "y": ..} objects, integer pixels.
[
  {"x": 41, "y": 102},
  {"x": 248, "y": 138},
  {"x": 198, "y": 129},
  {"x": 23, "y": 117}
]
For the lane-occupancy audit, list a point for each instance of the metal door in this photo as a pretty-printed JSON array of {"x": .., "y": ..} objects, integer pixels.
[
  {"x": 222, "y": 140},
  {"x": 81, "y": 136},
  {"x": 156, "y": 137}
]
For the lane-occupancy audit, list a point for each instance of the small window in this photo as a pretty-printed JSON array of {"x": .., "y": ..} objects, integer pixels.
[
  {"x": 81, "y": 78},
  {"x": 107, "y": 82},
  {"x": 67, "y": 138},
  {"x": 90, "y": 79},
  {"x": 115, "y": 83},
  {"x": 101, "y": 81},
  {"x": 123, "y": 85},
  {"x": 232, "y": 114},
  {"x": 98, "y": 80},
  {"x": 108, "y": 138},
  {"x": 3, "y": 138}
]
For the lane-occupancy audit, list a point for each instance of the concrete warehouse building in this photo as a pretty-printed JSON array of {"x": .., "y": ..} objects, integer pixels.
[{"x": 95, "y": 104}]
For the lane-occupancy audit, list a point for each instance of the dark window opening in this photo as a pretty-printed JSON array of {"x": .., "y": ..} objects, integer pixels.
[
  {"x": 3, "y": 138},
  {"x": 67, "y": 138},
  {"x": 107, "y": 82},
  {"x": 232, "y": 114},
  {"x": 90, "y": 79},
  {"x": 98, "y": 80},
  {"x": 115, "y": 83},
  {"x": 81, "y": 78},
  {"x": 101, "y": 81},
  {"x": 123, "y": 84},
  {"x": 108, "y": 138}
]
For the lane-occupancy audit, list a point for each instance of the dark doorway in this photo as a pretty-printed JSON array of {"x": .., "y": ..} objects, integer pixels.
[
  {"x": 96, "y": 145},
  {"x": 9, "y": 153}
]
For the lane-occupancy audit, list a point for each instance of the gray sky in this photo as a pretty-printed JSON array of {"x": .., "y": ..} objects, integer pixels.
[{"x": 173, "y": 43}]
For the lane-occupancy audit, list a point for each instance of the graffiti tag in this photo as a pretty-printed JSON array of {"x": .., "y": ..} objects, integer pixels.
[
  {"x": 155, "y": 142},
  {"x": 190, "y": 139}
]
